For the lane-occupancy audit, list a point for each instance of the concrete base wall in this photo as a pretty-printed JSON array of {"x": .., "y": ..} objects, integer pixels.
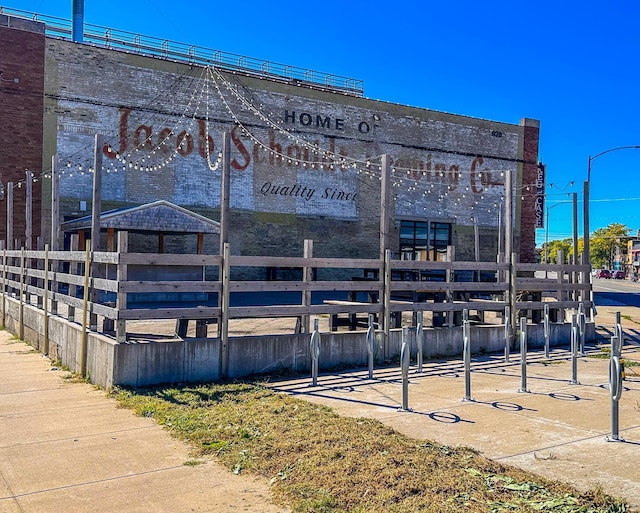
[{"x": 140, "y": 363}]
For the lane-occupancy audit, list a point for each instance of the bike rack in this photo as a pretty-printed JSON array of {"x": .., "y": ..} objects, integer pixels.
[
  {"x": 371, "y": 343},
  {"x": 523, "y": 355},
  {"x": 315, "y": 352},
  {"x": 574, "y": 350},
  {"x": 419, "y": 339},
  {"x": 405, "y": 358},
  {"x": 547, "y": 331},
  {"x": 466, "y": 354},
  {"x": 615, "y": 388},
  {"x": 507, "y": 332}
]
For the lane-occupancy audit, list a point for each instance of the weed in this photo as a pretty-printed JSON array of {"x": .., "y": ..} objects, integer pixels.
[{"x": 193, "y": 463}]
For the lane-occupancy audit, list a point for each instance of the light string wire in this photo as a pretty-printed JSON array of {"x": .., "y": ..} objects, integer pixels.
[{"x": 401, "y": 176}]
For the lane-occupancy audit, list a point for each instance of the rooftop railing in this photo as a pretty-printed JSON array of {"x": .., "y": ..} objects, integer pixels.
[{"x": 191, "y": 54}]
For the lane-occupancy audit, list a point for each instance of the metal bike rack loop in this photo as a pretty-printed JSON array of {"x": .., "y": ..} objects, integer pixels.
[
  {"x": 420, "y": 339},
  {"x": 405, "y": 358},
  {"x": 582, "y": 328},
  {"x": 574, "y": 350},
  {"x": 523, "y": 355},
  {"x": 371, "y": 343},
  {"x": 466, "y": 354},
  {"x": 615, "y": 388},
  {"x": 315, "y": 352},
  {"x": 507, "y": 332},
  {"x": 547, "y": 331}
]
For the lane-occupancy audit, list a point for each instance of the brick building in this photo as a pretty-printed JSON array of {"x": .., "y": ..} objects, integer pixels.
[{"x": 305, "y": 148}]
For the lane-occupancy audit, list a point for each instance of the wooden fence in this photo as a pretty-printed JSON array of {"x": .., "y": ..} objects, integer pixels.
[{"x": 120, "y": 287}]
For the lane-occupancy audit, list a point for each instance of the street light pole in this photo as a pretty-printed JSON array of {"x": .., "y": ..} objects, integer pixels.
[
  {"x": 587, "y": 186},
  {"x": 546, "y": 244}
]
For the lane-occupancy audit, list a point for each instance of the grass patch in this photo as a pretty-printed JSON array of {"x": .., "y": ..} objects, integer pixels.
[
  {"x": 193, "y": 463},
  {"x": 317, "y": 461}
]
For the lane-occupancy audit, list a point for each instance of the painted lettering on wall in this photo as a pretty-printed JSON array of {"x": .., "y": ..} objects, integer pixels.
[
  {"x": 297, "y": 190},
  {"x": 318, "y": 121},
  {"x": 275, "y": 153},
  {"x": 539, "y": 201}
]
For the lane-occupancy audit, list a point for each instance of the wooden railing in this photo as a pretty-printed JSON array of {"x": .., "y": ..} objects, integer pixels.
[{"x": 112, "y": 286}]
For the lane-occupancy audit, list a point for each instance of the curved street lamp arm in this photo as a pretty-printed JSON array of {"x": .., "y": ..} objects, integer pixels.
[{"x": 635, "y": 147}]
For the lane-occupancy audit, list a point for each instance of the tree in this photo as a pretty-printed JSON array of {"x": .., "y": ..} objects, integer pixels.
[
  {"x": 564, "y": 245},
  {"x": 605, "y": 242}
]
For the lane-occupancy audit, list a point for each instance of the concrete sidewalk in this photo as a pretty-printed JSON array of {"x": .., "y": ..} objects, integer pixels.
[
  {"x": 555, "y": 429},
  {"x": 64, "y": 446}
]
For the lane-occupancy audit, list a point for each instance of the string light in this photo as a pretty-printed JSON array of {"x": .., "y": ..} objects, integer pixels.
[{"x": 409, "y": 173}]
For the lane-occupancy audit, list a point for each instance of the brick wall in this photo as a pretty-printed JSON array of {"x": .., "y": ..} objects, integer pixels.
[
  {"x": 529, "y": 176},
  {"x": 22, "y": 46}
]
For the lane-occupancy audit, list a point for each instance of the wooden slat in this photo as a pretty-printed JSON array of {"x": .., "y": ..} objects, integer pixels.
[
  {"x": 169, "y": 259},
  {"x": 272, "y": 261},
  {"x": 169, "y": 313},
  {"x": 533, "y": 286},
  {"x": 104, "y": 284},
  {"x": 539, "y": 305},
  {"x": 454, "y": 286},
  {"x": 168, "y": 286},
  {"x": 297, "y": 286}
]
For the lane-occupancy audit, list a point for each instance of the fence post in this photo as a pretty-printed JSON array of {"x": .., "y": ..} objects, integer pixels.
[
  {"x": 4, "y": 284},
  {"x": 387, "y": 302},
  {"x": 224, "y": 313},
  {"x": 45, "y": 301},
  {"x": 513, "y": 284},
  {"x": 307, "y": 277},
  {"x": 21, "y": 303},
  {"x": 562, "y": 294},
  {"x": 121, "y": 297},
  {"x": 73, "y": 269},
  {"x": 85, "y": 308},
  {"x": 449, "y": 274}
]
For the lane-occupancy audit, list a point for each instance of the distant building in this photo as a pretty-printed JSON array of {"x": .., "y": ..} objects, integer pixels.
[{"x": 305, "y": 148}]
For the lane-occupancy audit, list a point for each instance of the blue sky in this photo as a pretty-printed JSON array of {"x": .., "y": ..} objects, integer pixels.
[{"x": 573, "y": 65}]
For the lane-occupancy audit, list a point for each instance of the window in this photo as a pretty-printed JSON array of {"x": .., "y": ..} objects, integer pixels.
[
  {"x": 440, "y": 239},
  {"x": 418, "y": 242}
]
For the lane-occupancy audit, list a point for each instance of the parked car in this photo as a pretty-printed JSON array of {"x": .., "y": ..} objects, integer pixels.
[
  {"x": 603, "y": 273},
  {"x": 619, "y": 275}
]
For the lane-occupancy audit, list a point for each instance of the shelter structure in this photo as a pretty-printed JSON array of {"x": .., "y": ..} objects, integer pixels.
[{"x": 160, "y": 218}]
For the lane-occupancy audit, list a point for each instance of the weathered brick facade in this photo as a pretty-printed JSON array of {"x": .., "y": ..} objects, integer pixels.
[
  {"x": 22, "y": 112},
  {"x": 303, "y": 161}
]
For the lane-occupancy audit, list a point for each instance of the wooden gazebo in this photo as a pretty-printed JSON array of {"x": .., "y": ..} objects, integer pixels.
[{"x": 160, "y": 217}]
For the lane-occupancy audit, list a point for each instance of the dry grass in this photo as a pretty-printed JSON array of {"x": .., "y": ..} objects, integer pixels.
[{"x": 319, "y": 462}]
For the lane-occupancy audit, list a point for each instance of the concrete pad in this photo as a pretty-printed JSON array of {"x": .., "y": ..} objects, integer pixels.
[
  {"x": 64, "y": 446},
  {"x": 204, "y": 488}
]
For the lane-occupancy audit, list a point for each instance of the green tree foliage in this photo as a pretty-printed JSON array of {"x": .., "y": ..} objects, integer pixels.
[
  {"x": 556, "y": 245},
  {"x": 604, "y": 244}
]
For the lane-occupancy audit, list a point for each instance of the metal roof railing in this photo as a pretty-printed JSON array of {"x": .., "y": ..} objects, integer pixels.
[{"x": 190, "y": 54}]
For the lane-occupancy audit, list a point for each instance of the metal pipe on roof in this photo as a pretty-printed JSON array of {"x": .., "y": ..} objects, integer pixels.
[{"x": 77, "y": 33}]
